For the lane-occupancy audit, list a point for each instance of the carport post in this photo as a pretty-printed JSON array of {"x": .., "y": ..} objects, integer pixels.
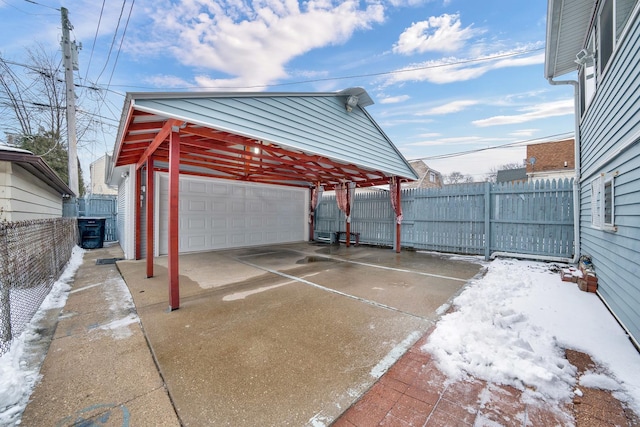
[
  {"x": 149, "y": 191},
  {"x": 138, "y": 209},
  {"x": 398, "y": 226},
  {"x": 174, "y": 189}
]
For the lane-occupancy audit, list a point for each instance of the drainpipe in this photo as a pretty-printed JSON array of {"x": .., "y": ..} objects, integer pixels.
[{"x": 576, "y": 184}]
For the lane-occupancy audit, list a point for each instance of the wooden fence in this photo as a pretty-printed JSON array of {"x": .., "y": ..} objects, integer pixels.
[{"x": 476, "y": 219}]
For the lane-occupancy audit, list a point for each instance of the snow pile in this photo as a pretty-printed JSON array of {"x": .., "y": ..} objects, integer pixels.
[
  {"x": 511, "y": 326},
  {"x": 18, "y": 377}
]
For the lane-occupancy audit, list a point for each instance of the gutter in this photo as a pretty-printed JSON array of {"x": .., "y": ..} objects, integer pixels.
[{"x": 576, "y": 186}]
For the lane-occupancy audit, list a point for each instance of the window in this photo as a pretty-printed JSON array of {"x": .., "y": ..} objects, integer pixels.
[
  {"x": 606, "y": 34},
  {"x": 623, "y": 11},
  {"x": 603, "y": 202},
  {"x": 432, "y": 177},
  {"x": 587, "y": 77}
]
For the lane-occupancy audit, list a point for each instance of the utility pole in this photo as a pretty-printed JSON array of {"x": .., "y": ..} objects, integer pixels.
[{"x": 69, "y": 53}]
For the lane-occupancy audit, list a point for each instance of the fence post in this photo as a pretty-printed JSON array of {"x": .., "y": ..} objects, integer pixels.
[
  {"x": 487, "y": 221},
  {"x": 5, "y": 295}
]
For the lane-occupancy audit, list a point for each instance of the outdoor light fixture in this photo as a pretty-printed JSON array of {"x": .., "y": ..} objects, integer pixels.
[
  {"x": 352, "y": 101},
  {"x": 583, "y": 56}
]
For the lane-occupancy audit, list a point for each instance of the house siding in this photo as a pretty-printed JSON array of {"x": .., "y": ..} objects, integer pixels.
[
  {"x": 314, "y": 124},
  {"x": 25, "y": 197},
  {"x": 610, "y": 135}
]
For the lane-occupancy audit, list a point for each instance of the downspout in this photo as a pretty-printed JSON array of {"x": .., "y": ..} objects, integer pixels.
[{"x": 576, "y": 185}]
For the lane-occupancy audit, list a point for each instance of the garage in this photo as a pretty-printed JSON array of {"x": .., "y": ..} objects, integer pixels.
[
  {"x": 222, "y": 214},
  {"x": 203, "y": 171}
]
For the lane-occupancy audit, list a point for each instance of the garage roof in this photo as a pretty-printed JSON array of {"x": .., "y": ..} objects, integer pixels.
[
  {"x": 36, "y": 166},
  {"x": 287, "y": 138},
  {"x": 568, "y": 22}
]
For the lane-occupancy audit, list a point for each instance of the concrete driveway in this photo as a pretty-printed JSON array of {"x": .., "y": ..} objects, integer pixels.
[{"x": 289, "y": 334}]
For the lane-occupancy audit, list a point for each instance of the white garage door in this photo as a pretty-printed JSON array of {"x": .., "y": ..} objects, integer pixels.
[{"x": 219, "y": 214}]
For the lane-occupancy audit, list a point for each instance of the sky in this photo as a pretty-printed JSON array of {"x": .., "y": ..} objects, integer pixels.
[
  {"x": 446, "y": 76},
  {"x": 509, "y": 326}
]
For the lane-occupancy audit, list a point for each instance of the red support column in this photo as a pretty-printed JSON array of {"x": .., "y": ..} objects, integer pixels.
[
  {"x": 138, "y": 213},
  {"x": 149, "y": 190},
  {"x": 174, "y": 188},
  {"x": 311, "y": 215},
  {"x": 348, "y": 212},
  {"x": 398, "y": 228}
]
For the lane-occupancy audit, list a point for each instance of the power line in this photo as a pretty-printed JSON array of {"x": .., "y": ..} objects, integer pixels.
[
  {"x": 115, "y": 34},
  {"x": 95, "y": 38},
  {"x": 355, "y": 76},
  {"x": 124, "y": 32},
  {"x": 43, "y": 5},
  {"x": 477, "y": 150}
]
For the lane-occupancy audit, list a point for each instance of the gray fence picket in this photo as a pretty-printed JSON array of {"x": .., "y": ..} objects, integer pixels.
[{"x": 477, "y": 219}]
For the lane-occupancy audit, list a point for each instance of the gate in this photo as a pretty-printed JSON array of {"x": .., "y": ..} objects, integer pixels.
[{"x": 101, "y": 206}]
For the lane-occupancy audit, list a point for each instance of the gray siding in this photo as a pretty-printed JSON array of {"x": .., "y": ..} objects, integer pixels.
[
  {"x": 317, "y": 124},
  {"x": 610, "y": 134}
]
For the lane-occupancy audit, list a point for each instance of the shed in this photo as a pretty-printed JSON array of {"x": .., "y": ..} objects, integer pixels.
[
  {"x": 219, "y": 170},
  {"x": 29, "y": 188}
]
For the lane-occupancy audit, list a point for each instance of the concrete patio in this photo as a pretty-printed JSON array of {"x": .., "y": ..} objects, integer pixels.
[{"x": 285, "y": 335}]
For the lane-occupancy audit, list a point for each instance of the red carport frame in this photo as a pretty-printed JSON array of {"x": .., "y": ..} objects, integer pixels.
[{"x": 156, "y": 143}]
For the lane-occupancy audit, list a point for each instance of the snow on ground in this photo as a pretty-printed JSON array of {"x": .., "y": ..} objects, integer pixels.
[
  {"x": 509, "y": 327},
  {"x": 512, "y": 326},
  {"x": 18, "y": 377}
]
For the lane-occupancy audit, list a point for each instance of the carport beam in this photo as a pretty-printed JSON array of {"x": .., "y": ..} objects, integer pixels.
[{"x": 174, "y": 189}]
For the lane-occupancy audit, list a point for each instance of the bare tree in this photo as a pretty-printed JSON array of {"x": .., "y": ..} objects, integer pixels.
[
  {"x": 34, "y": 94},
  {"x": 33, "y": 105},
  {"x": 457, "y": 178}
]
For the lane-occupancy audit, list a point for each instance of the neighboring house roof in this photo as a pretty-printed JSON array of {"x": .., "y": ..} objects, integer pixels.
[
  {"x": 424, "y": 172},
  {"x": 287, "y": 138},
  {"x": 36, "y": 166},
  {"x": 567, "y": 21},
  {"x": 510, "y": 175}
]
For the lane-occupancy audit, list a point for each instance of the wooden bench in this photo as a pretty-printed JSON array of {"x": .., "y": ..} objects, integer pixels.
[
  {"x": 344, "y": 233},
  {"x": 323, "y": 236}
]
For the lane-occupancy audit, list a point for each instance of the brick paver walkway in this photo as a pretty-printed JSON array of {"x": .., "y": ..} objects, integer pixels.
[{"x": 414, "y": 392}]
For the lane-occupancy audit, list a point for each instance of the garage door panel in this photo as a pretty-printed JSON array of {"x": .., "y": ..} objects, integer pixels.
[{"x": 215, "y": 214}]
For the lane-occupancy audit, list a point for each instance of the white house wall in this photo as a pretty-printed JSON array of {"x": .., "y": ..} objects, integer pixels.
[
  {"x": 25, "y": 197},
  {"x": 219, "y": 214}
]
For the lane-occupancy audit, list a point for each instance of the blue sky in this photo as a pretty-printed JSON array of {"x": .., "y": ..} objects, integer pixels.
[{"x": 446, "y": 76}]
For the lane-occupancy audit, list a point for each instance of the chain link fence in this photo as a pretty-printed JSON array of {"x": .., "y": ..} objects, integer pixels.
[{"x": 33, "y": 254}]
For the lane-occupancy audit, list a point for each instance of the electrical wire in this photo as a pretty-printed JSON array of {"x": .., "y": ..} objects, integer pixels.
[
  {"x": 124, "y": 32},
  {"x": 95, "y": 38},
  {"x": 355, "y": 76},
  {"x": 113, "y": 41},
  {"x": 507, "y": 145}
]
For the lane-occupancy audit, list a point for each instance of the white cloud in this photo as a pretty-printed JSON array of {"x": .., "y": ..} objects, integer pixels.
[
  {"x": 535, "y": 112},
  {"x": 454, "y": 140},
  {"x": 167, "y": 81},
  {"x": 524, "y": 133},
  {"x": 449, "y": 108},
  {"x": 442, "y": 33},
  {"x": 394, "y": 99},
  {"x": 450, "y": 70},
  {"x": 253, "y": 42}
]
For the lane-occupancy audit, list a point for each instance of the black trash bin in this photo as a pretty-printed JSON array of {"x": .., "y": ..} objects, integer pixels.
[{"x": 91, "y": 232}]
